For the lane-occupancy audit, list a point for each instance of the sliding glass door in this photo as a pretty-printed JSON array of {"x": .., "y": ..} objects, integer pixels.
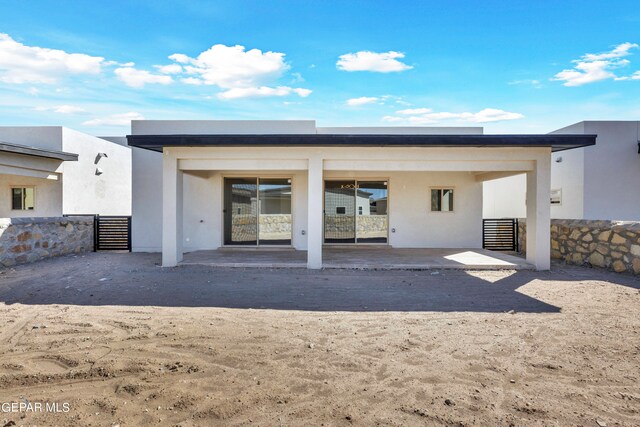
[
  {"x": 257, "y": 211},
  {"x": 240, "y": 211},
  {"x": 355, "y": 211},
  {"x": 371, "y": 215},
  {"x": 274, "y": 220},
  {"x": 339, "y": 212}
]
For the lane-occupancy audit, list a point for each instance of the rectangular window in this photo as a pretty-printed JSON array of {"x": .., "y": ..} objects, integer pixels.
[
  {"x": 341, "y": 210},
  {"x": 23, "y": 198},
  {"x": 441, "y": 200},
  {"x": 556, "y": 197},
  {"x": 359, "y": 210}
]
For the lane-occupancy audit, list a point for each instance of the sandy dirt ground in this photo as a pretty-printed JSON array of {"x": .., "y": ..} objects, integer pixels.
[{"x": 124, "y": 342}]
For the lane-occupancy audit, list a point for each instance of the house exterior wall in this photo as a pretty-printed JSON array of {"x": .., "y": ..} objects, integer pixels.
[
  {"x": 597, "y": 183},
  {"x": 78, "y": 189},
  {"x": 146, "y": 208},
  {"x": 45, "y": 137},
  {"x": 402, "y": 130},
  {"x": 48, "y": 196},
  {"x": 85, "y": 192},
  {"x": 505, "y": 197},
  {"x": 409, "y": 209},
  {"x": 410, "y": 172},
  {"x": 612, "y": 171}
]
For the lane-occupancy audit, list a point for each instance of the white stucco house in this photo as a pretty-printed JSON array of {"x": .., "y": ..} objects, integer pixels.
[
  {"x": 48, "y": 171},
  {"x": 211, "y": 184},
  {"x": 593, "y": 183}
]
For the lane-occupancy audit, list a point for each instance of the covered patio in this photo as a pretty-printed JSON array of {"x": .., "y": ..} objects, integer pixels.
[
  {"x": 364, "y": 257},
  {"x": 227, "y": 186}
]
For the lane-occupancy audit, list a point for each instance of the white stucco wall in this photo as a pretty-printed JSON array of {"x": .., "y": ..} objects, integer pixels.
[
  {"x": 409, "y": 209},
  {"x": 597, "y": 182},
  {"x": 402, "y": 130},
  {"x": 84, "y": 191},
  {"x": 410, "y": 172},
  {"x": 48, "y": 196},
  {"x": 45, "y": 137},
  {"x": 146, "y": 209},
  {"x": 177, "y": 127},
  {"x": 505, "y": 197},
  {"x": 568, "y": 175},
  {"x": 612, "y": 171},
  {"x": 79, "y": 190}
]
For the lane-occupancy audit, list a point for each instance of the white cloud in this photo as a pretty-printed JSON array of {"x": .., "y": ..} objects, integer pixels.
[
  {"x": 363, "y": 100},
  {"x": 594, "y": 67},
  {"x": 262, "y": 91},
  {"x": 635, "y": 76},
  {"x": 169, "y": 69},
  {"x": 31, "y": 64},
  {"x": 383, "y": 62},
  {"x": 138, "y": 78},
  {"x": 414, "y": 111},
  {"x": 422, "y": 116},
  {"x": 62, "y": 109},
  {"x": 527, "y": 82},
  {"x": 191, "y": 81},
  {"x": 180, "y": 57},
  {"x": 115, "y": 119},
  {"x": 232, "y": 67},
  {"x": 240, "y": 73}
]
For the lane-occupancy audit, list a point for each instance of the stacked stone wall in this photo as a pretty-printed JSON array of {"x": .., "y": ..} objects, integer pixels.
[
  {"x": 25, "y": 240},
  {"x": 614, "y": 245}
]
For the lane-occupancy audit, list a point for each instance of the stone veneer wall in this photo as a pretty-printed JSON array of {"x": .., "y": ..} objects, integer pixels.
[
  {"x": 609, "y": 244},
  {"x": 30, "y": 239}
]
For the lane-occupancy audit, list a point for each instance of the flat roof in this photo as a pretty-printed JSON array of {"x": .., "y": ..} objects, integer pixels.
[
  {"x": 37, "y": 152},
  {"x": 557, "y": 142}
]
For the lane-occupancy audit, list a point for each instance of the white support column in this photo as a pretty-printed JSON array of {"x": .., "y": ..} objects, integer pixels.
[
  {"x": 314, "y": 213},
  {"x": 171, "y": 211},
  {"x": 539, "y": 213}
]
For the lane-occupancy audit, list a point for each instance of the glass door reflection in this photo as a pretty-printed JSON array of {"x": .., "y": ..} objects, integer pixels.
[
  {"x": 339, "y": 212},
  {"x": 240, "y": 211},
  {"x": 371, "y": 212},
  {"x": 257, "y": 211},
  {"x": 274, "y": 222}
]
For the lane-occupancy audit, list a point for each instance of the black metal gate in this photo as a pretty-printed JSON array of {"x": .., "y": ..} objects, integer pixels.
[
  {"x": 500, "y": 234},
  {"x": 112, "y": 233}
]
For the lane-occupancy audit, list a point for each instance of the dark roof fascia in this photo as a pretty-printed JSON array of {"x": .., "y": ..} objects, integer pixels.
[
  {"x": 38, "y": 152},
  {"x": 558, "y": 142}
]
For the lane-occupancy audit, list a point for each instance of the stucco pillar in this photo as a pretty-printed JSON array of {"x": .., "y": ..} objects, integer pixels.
[
  {"x": 171, "y": 210},
  {"x": 539, "y": 213},
  {"x": 315, "y": 214}
]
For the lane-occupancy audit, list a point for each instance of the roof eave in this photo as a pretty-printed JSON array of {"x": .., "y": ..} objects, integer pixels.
[{"x": 38, "y": 152}]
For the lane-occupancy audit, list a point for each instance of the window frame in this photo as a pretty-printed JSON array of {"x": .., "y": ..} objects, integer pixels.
[
  {"x": 442, "y": 188},
  {"x": 23, "y": 187}
]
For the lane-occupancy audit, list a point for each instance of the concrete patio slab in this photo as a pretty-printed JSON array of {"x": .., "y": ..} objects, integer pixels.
[{"x": 361, "y": 257}]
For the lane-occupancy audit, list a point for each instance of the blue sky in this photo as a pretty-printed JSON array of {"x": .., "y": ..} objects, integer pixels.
[{"x": 512, "y": 66}]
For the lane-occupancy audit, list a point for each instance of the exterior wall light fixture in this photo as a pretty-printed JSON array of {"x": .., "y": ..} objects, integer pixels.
[{"x": 99, "y": 156}]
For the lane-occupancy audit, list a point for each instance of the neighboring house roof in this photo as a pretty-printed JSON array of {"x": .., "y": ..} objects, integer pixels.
[
  {"x": 557, "y": 142},
  {"x": 37, "y": 152}
]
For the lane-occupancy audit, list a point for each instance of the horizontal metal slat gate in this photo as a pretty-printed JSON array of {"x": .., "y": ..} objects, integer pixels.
[
  {"x": 500, "y": 234},
  {"x": 112, "y": 233}
]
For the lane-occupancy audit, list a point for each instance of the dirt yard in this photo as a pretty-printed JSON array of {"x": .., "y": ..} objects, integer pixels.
[{"x": 122, "y": 341}]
